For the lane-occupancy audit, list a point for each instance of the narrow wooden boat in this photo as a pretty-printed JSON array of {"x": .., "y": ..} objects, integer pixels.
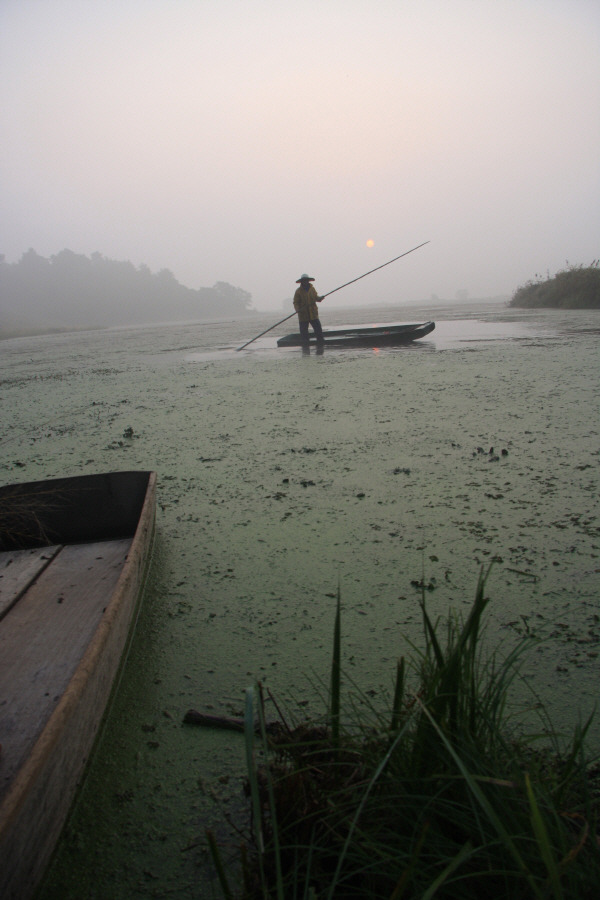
[
  {"x": 73, "y": 557},
  {"x": 389, "y": 335}
]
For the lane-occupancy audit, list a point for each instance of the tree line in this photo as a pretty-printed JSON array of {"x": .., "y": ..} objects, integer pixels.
[{"x": 73, "y": 291}]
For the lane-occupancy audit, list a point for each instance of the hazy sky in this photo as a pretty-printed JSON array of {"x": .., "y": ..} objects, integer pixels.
[{"x": 249, "y": 141}]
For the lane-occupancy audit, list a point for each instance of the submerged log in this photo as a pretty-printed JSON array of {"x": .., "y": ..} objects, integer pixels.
[
  {"x": 193, "y": 717},
  {"x": 229, "y": 723}
]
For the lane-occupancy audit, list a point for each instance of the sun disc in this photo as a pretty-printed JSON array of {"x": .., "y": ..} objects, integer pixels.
[{"x": 370, "y": 243}]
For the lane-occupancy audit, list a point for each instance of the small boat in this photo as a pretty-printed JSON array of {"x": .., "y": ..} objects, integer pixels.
[
  {"x": 74, "y": 553},
  {"x": 392, "y": 334}
]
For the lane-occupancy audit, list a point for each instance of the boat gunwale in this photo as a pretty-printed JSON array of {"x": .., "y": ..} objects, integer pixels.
[
  {"x": 392, "y": 333},
  {"x": 127, "y": 591},
  {"x": 389, "y": 328}
]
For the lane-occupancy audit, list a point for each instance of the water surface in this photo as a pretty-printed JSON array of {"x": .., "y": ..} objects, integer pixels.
[{"x": 282, "y": 476}]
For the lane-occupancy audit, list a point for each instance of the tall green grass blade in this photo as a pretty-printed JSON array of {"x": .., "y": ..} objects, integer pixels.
[
  {"x": 336, "y": 675},
  {"x": 463, "y": 854},
  {"x": 218, "y": 863},
  {"x": 247, "y": 870},
  {"x": 272, "y": 805},
  {"x": 431, "y": 633},
  {"x": 253, "y": 783},
  {"x": 543, "y": 841},
  {"x": 472, "y": 629},
  {"x": 402, "y": 882},
  {"x": 487, "y": 807},
  {"x": 575, "y": 761},
  {"x": 249, "y": 747},
  {"x": 309, "y": 891},
  {"x": 374, "y": 779},
  {"x": 398, "y": 695}
]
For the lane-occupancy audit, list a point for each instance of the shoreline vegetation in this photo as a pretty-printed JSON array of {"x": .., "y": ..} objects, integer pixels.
[
  {"x": 576, "y": 287},
  {"x": 73, "y": 292},
  {"x": 445, "y": 793}
]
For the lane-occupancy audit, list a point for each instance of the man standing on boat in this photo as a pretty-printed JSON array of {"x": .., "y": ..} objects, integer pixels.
[{"x": 305, "y": 304}]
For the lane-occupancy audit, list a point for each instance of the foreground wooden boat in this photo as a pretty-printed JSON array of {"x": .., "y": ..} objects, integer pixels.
[
  {"x": 73, "y": 557},
  {"x": 392, "y": 334}
]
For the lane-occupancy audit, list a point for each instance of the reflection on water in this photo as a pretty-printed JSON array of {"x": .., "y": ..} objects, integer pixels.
[{"x": 456, "y": 326}]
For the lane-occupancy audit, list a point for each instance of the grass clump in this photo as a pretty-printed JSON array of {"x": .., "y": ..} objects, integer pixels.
[
  {"x": 434, "y": 797},
  {"x": 576, "y": 287}
]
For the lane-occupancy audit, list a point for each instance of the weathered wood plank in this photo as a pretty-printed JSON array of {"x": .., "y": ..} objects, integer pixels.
[
  {"x": 42, "y": 640},
  {"x": 96, "y": 508},
  {"x": 18, "y": 569}
]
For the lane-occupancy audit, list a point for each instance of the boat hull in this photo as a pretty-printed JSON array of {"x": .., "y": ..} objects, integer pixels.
[
  {"x": 51, "y": 704},
  {"x": 364, "y": 336}
]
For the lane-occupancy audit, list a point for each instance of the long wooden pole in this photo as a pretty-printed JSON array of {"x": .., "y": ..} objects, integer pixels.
[
  {"x": 281, "y": 321},
  {"x": 370, "y": 272}
]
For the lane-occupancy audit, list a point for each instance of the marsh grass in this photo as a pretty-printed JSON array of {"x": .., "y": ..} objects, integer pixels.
[
  {"x": 576, "y": 287},
  {"x": 438, "y": 796}
]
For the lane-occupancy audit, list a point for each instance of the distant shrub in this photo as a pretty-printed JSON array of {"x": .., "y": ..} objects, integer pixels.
[{"x": 576, "y": 287}]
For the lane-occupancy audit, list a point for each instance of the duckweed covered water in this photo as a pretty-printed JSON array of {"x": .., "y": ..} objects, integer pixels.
[{"x": 280, "y": 477}]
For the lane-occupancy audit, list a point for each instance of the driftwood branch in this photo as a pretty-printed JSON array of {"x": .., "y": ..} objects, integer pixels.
[
  {"x": 304, "y": 735},
  {"x": 229, "y": 723},
  {"x": 193, "y": 717}
]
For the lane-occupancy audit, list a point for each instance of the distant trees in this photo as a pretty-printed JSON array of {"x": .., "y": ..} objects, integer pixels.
[
  {"x": 576, "y": 287},
  {"x": 70, "y": 290}
]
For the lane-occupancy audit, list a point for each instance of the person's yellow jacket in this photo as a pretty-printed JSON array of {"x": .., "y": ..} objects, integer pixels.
[{"x": 305, "y": 304}]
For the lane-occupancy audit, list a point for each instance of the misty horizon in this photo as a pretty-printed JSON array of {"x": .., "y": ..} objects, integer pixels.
[
  {"x": 71, "y": 291},
  {"x": 248, "y": 143}
]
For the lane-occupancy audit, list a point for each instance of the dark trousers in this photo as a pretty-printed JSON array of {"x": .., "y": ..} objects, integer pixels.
[{"x": 316, "y": 328}]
